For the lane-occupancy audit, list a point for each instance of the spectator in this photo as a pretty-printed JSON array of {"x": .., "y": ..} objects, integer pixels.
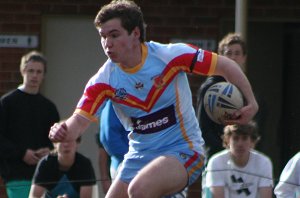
[
  {"x": 25, "y": 120},
  {"x": 64, "y": 172},
  {"x": 289, "y": 182},
  {"x": 239, "y": 171},
  {"x": 234, "y": 47}
]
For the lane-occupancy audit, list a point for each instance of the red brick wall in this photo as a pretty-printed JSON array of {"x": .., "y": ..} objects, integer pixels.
[{"x": 166, "y": 19}]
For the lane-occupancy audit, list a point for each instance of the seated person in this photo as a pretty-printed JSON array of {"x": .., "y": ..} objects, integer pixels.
[
  {"x": 239, "y": 170},
  {"x": 64, "y": 172}
]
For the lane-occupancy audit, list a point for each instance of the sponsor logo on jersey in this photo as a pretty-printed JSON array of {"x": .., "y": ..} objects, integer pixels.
[
  {"x": 121, "y": 94},
  {"x": 155, "y": 122}
]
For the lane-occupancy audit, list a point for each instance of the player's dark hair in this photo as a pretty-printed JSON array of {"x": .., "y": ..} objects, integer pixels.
[{"x": 127, "y": 11}]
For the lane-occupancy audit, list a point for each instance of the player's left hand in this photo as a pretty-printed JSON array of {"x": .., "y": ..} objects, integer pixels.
[{"x": 244, "y": 115}]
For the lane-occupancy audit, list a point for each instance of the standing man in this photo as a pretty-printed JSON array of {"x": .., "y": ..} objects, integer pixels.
[
  {"x": 25, "y": 119},
  {"x": 234, "y": 47},
  {"x": 148, "y": 85}
]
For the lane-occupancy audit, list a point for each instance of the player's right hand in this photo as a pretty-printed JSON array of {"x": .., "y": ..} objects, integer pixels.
[{"x": 58, "y": 132}]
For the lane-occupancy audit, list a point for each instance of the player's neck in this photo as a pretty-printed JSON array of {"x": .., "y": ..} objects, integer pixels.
[
  {"x": 133, "y": 58},
  {"x": 240, "y": 161}
]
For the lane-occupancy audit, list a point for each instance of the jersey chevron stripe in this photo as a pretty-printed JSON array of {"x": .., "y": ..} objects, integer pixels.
[{"x": 176, "y": 65}]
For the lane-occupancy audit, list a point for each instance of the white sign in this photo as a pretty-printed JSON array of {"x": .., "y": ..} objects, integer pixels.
[
  {"x": 18, "y": 41},
  {"x": 206, "y": 44}
]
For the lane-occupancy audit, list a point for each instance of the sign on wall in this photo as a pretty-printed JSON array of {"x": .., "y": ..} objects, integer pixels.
[
  {"x": 18, "y": 41},
  {"x": 206, "y": 44}
]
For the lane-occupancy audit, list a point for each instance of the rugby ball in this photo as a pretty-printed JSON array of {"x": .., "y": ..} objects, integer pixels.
[{"x": 221, "y": 100}]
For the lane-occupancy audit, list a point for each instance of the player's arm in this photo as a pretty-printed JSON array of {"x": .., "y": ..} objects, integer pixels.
[
  {"x": 36, "y": 191},
  {"x": 233, "y": 73},
  {"x": 70, "y": 129},
  {"x": 217, "y": 192}
]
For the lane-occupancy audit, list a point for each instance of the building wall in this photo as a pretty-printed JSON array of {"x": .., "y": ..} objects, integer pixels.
[{"x": 166, "y": 20}]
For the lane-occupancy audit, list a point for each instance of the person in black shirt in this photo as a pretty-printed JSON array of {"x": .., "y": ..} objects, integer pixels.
[
  {"x": 234, "y": 47},
  {"x": 64, "y": 172},
  {"x": 25, "y": 120}
]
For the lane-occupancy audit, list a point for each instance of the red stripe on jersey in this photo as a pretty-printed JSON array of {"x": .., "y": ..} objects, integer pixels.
[
  {"x": 191, "y": 160},
  {"x": 96, "y": 94},
  {"x": 94, "y": 97},
  {"x": 203, "y": 67},
  {"x": 161, "y": 82}
]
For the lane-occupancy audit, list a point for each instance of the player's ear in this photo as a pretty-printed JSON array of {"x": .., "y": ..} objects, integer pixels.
[{"x": 136, "y": 32}]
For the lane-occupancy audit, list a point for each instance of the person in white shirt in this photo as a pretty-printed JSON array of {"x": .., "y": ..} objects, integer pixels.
[
  {"x": 239, "y": 170},
  {"x": 289, "y": 182}
]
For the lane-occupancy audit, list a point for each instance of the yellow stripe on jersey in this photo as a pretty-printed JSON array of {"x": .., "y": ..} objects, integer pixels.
[
  {"x": 214, "y": 61},
  {"x": 183, "y": 131}
]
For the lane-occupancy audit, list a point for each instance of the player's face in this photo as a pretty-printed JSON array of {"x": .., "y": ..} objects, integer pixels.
[
  {"x": 240, "y": 145},
  {"x": 116, "y": 42},
  {"x": 235, "y": 52},
  {"x": 33, "y": 74}
]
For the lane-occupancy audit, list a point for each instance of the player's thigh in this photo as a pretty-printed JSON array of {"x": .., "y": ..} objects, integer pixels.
[
  {"x": 166, "y": 175},
  {"x": 118, "y": 189}
]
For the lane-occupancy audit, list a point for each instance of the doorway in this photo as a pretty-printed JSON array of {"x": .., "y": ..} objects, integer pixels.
[{"x": 72, "y": 47}]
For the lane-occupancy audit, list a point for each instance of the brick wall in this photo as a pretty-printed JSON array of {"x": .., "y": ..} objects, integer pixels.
[{"x": 166, "y": 19}]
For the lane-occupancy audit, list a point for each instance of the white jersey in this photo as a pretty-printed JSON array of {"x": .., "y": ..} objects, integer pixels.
[
  {"x": 239, "y": 182},
  {"x": 289, "y": 182}
]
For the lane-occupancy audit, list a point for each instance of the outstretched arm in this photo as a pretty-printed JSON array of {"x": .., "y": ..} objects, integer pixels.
[{"x": 70, "y": 129}]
